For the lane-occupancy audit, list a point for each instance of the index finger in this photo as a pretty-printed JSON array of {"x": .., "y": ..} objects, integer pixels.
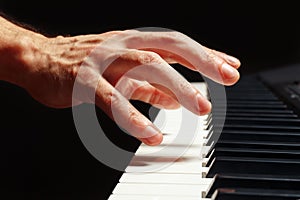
[{"x": 186, "y": 51}]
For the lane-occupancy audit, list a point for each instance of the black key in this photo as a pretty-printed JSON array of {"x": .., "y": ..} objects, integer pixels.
[
  {"x": 255, "y": 102},
  {"x": 258, "y": 144},
  {"x": 247, "y": 91},
  {"x": 250, "y": 95},
  {"x": 254, "y": 181},
  {"x": 253, "y": 106},
  {"x": 255, "y": 194},
  {"x": 256, "y": 153},
  {"x": 254, "y": 97},
  {"x": 263, "y": 111},
  {"x": 253, "y": 166},
  {"x": 255, "y": 115},
  {"x": 275, "y": 127},
  {"x": 260, "y": 120},
  {"x": 262, "y": 132},
  {"x": 260, "y": 136},
  {"x": 253, "y": 153}
]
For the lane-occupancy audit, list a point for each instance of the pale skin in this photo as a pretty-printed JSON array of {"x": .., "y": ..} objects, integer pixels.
[{"x": 47, "y": 68}]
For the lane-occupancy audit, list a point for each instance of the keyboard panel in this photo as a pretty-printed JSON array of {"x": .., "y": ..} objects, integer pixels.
[{"x": 256, "y": 157}]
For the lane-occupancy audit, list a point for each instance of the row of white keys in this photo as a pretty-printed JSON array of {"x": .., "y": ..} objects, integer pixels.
[{"x": 158, "y": 173}]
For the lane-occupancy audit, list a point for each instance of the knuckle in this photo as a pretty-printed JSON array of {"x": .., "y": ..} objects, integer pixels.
[
  {"x": 170, "y": 37},
  {"x": 110, "y": 99},
  {"x": 148, "y": 57},
  {"x": 213, "y": 58},
  {"x": 211, "y": 55},
  {"x": 175, "y": 36},
  {"x": 106, "y": 100},
  {"x": 127, "y": 87},
  {"x": 155, "y": 97},
  {"x": 134, "y": 118}
]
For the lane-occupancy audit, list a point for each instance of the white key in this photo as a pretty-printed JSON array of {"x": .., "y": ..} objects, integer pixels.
[
  {"x": 160, "y": 189},
  {"x": 174, "y": 177},
  {"x": 172, "y": 121},
  {"x": 168, "y": 121},
  {"x": 165, "y": 178},
  {"x": 197, "y": 140},
  {"x": 192, "y": 151},
  {"x": 152, "y": 197},
  {"x": 201, "y": 86},
  {"x": 188, "y": 165}
]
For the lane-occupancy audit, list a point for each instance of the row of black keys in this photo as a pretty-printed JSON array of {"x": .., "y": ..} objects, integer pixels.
[{"x": 258, "y": 153}]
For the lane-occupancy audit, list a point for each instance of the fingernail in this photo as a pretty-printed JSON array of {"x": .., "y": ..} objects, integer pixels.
[
  {"x": 203, "y": 104},
  {"x": 150, "y": 131},
  {"x": 232, "y": 59},
  {"x": 154, "y": 140},
  {"x": 228, "y": 71}
]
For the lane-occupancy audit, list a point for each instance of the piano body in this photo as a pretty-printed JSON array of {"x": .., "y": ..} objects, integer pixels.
[{"x": 257, "y": 155}]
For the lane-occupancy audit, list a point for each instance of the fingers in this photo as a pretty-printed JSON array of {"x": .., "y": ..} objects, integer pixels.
[
  {"x": 152, "y": 95},
  {"x": 143, "y": 91},
  {"x": 158, "y": 72},
  {"x": 169, "y": 89},
  {"x": 126, "y": 115},
  {"x": 139, "y": 72},
  {"x": 234, "y": 62},
  {"x": 178, "y": 47}
]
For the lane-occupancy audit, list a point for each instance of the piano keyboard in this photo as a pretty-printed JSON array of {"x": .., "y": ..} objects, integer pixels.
[{"x": 256, "y": 157}]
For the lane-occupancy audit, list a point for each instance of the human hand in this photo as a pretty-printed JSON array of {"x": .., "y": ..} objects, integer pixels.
[{"x": 52, "y": 65}]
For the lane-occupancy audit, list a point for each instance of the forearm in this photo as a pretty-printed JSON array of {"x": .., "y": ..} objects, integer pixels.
[{"x": 16, "y": 50}]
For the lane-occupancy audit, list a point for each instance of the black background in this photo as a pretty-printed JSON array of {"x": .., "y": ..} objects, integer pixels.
[{"x": 41, "y": 154}]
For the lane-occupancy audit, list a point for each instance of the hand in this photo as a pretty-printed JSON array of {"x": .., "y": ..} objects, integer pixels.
[{"x": 51, "y": 66}]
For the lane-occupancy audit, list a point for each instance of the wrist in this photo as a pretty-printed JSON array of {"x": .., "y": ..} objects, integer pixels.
[{"x": 18, "y": 47}]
